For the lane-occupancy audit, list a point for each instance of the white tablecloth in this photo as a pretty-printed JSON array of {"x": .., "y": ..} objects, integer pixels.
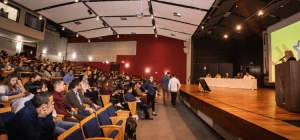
[{"x": 231, "y": 83}]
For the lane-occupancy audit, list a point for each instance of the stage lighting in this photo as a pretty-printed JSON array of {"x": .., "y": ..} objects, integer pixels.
[
  {"x": 225, "y": 36},
  {"x": 90, "y": 12},
  {"x": 238, "y": 27}
]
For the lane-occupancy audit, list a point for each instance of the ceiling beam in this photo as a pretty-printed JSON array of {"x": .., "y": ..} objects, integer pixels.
[{"x": 179, "y": 5}]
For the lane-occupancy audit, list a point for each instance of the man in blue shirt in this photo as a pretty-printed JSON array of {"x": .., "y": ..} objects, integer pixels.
[
  {"x": 165, "y": 82},
  {"x": 69, "y": 77},
  {"x": 129, "y": 97}
]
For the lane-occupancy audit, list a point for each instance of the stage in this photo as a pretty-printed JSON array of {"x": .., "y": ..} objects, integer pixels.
[{"x": 239, "y": 113}]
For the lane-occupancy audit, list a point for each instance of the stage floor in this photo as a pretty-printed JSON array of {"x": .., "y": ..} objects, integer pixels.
[{"x": 255, "y": 106}]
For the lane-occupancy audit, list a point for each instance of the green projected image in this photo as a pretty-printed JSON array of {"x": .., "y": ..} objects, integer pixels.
[{"x": 287, "y": 38}]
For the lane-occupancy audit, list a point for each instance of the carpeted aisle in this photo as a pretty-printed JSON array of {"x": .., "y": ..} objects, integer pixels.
[{"x": 178, "y": 123}]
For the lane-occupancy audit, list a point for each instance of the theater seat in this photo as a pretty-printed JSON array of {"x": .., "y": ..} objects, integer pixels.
[
  {"x": 91, "y": 129},
  {"x": 75, "y": 133},
  {"x": 105, "y": 119},
  {"x": 105, "y": 98},
  {"x": 6, "y": 114},
  {"x": 112, "y": 112},
  {"x": 6, "y": 103}
]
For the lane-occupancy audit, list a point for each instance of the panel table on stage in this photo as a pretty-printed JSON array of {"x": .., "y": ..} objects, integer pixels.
[{"x": 232, "y": 83}]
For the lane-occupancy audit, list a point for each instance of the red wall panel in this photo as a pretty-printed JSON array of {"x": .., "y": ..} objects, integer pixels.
[{"x": 159, "y": 55}]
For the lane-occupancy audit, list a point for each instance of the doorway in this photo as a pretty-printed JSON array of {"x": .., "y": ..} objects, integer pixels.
[
  {"x": 115, "y": 67},
  {"x": 31, "y": 51}
]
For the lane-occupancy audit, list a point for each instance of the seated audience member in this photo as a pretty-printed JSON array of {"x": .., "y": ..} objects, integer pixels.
[
  {"x": 227, "y": 75},
  {"x": 208, "y": 75},
  {"x": 61, "y": 105},
  {"x": 3, "y": 131},
  {"x": 64, "y": 71},
  {"x": 76, "y": 99},
  {"x": 31, "y": 67},
  {"x": 20, "y": 68},
  {"x": 41, "y": 86},
  {"x": 134, "y": 92},
  {"x": 89, "y": 70},
  {"x": 11, "y": 89},
  {"x": 23, "y": 53},
  {"x": 120, "y": 84},
  {"x": 48, "y": 61},
  {"x": 132, "y": 82},
  {"x": 218, "y": 75},
  {"x": 33, "y": 77},
  {"x": 2, "y": 12},
  {"x": 57, "y": 72},
  {"x": 23, "y": 58},
  {"x": 248, "y": 76},
  {"x": 6, "y": 66},
  {"x": 34, "y": 120},
  {"x": 35, "y": 87},
  {"x": 88, "y": 92},
  {"x": 129, "y": 97},
  {"x": 93, "y": 80},
  {"x": 238, "y": 76},
  {"x": 69, "y": 77},
  {"x": 48, "y": 72},
  {"x": 85, "y": 73},
  {"x": 138, "y": 89},
  {"x": 105, "y": 90}
]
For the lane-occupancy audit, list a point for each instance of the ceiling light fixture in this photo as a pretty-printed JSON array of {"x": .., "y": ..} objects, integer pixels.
[
  {"x": 90, "y": 12},
  {"x": 237, "y": 4},
  {"x": 90, "y": 58},
  {"x": 76, "y": 0},
  {"x": 153, "y": 27},
  {"x": 202, "y": 27},
  {"x": 260, "y": 13},
  {"x": 109, "y": 28},
  {"x": 152, "y": 16},
  {"x": 118, "y": 36},
  {"x": 97, "y": 18},
  {"x": 177, "y": 14},
  {"x": 63, "y": 28},
  {"x": 77, "y": 35},
  {"x": 89, "y": 40},
  {"x": 40, "y": 17},
  {"x": 238, "y": 27},
  {"x": 5, "y": 1},
  {"x": 225, "y": 36},
  {"x": 281, "y": 5},
  {"x": 155, "y": 35}
]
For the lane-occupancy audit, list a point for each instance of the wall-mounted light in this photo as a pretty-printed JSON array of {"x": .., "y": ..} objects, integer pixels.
[
  {"x": 90, "y": 58},
  {"x": 205, "y": 67},
  {"x": 73, "y": 55},
  {"x": 107, "y": 62},
  {"x": 127, "y": 65},
  {"x": 19, "y": 45},
  {"x": 5, "y": 1},
  {"x": 77, "y": 35},
  {"x": 40, "y": 17},
  {"x": 238, "y": 27},
  {"x": 59, "y": 54},
  {"x": 147, "y": 70},
  {"x": 44, "y": 51},
  {"x": 118, "y": 36},
  {"x": 63, "y": 28},
  {"x": 225, "y": 36},
  {"x": 155, "y": 35}
]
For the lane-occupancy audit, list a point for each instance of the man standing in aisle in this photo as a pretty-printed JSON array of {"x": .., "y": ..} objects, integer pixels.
[
  {"x": 174, "y": 89},
  {"x": 165, "y": 81}
]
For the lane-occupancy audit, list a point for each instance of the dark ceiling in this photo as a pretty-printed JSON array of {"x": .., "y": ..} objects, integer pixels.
[{"x": 274, "y": 11}]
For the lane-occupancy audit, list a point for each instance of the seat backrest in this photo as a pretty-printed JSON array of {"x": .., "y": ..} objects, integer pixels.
[
  {"x": 90, "y": 127},
  {"x": 24, "y": 80},
  {"x": 74, "y": 133},
  {"x": 6, "y": 114},
  {"x": 103, "y": 117},
  {"x": 111, "y": 111}
]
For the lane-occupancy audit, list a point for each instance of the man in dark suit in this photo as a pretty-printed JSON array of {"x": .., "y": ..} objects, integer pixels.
[{"x": 76, "y": 99}]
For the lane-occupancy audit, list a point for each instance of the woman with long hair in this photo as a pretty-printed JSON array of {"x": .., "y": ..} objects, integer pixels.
[
  {"x": 88, "y": 92},
  {"x": 11, "y": 89},
  {"x": 105, "y": 90},
  {"x": 150, "y": 93}
]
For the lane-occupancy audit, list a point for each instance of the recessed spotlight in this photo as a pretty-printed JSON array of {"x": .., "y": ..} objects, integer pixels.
[
  {"x": 153, "y": 27},
  {"x": 177, "y": 14},
  {"x": 5, "y": 1},
  {"x": 63, "y": 28},
  {"x": 238, "y": 27},
  {"x": 97, "y": 18},
  {"x": 225, "y": 36},
  {"x": 77, "y": 35},
  {"x": 202, "y": 27},
  {"x": 109, "y": 28},
  {"x": 260, "y": 13},
  {"x": 40, "y": 17},
  {"x": 152, "y": 16},
  {"x": 76, "y": 0}
]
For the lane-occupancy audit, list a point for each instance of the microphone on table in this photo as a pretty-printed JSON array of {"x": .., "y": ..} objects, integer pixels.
[{"x": 282, "y": 58}]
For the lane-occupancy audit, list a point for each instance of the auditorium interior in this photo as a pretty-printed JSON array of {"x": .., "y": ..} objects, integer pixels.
[{"x": 230, "y": 66}]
